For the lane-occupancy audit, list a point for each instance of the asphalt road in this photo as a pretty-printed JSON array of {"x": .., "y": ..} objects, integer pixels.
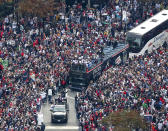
[{"x": 71, "y": 125}]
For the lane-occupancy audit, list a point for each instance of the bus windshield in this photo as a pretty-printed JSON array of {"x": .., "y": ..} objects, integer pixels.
[
  {"x": 76, "y": 67},
  {"x": 134, "y": 43}
]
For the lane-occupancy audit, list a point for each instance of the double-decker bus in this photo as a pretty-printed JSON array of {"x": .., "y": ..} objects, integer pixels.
[
  {"x": 80, "y": 75},
  {"x": 148, "y": 35}
]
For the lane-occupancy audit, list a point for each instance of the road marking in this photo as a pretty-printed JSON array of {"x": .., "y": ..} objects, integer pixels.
[
  {"x": 62, "y": 127},
  {"x": 71, "y": 97}
]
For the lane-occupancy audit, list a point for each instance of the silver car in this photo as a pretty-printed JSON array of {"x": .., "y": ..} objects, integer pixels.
[{"x": 59, "y": 113}]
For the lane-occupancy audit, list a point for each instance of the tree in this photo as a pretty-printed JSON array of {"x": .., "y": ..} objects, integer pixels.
[
  {"x": 38, "y": 8},
  {"x": 124, "y": 120},
  {"x": 6, "y": 8}
]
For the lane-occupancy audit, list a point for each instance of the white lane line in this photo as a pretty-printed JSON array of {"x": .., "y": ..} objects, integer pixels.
[{"x": 62, "y": 127}]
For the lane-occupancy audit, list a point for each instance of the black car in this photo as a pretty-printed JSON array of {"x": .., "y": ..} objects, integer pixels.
[{"x": 59, "y": 113}]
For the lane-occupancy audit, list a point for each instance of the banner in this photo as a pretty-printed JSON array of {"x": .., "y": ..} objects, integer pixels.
[{"x": 118, "y": 60}]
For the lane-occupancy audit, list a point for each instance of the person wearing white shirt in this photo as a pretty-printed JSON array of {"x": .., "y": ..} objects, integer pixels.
[
  {"x": 6, "y": 20},
  {"x": 49, "y": 94},
  {"x": 160, "y": 126},
  {"x": 0, "y": 44},
  {"x": 43, "y": 96},
  {"x": 167, "y": 106}
]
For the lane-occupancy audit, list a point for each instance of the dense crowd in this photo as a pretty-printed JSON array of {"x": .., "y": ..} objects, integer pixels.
[
  {"x": 34, "y": 59},
  {"x": 140, "y": 85}
]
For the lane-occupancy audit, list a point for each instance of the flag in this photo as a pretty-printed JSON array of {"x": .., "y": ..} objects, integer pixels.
[
  {"x": 5, "y": 63},
  {"x": 22, "y": 54},
  {"x": 1, "y": 67},
  {"x": 32, "y": 75}
]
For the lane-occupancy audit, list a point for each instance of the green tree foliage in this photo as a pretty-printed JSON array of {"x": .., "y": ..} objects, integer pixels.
[
  {"x": 148, "y": 1},
  {"x": 124, "y": 120}
]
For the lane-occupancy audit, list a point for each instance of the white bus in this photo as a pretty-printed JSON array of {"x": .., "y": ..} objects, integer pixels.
[{"x": 148, "y": 35}]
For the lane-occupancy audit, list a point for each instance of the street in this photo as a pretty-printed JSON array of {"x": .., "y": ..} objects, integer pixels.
[{"x": 71, "y": 125}]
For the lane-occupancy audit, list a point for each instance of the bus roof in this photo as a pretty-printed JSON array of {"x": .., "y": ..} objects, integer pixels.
[{"x": 150, "y": 23}]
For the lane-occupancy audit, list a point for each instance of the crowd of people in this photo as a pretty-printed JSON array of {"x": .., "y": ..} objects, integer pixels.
[
  {"x": 34, "y": 59},
  {"x": 141, "y": 85}
]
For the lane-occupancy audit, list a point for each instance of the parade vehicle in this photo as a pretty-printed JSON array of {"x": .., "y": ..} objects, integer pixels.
[
  {"x": 148, "y": 35},
  {"x": 80, "y": 75},
  {"x": 59, "y": 110},
  {"x": 59, "y": 113}
]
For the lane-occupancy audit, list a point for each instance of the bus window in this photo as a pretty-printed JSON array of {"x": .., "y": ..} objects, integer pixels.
[
  {"x": 74, "y": 67},
  {"x": 81, "y": 67},
  {"x": 78, "y": 80},
  {"x": 77, "y": 75},
  {"x": 146, "y": 38}
]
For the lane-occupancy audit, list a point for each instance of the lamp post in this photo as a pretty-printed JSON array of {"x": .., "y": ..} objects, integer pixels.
[
  {"x": 16, "y": 11},
  {"x": 88, "y": 3},
  {"x": 126, "y": 21},
  {"x": 121, "y": 13}
]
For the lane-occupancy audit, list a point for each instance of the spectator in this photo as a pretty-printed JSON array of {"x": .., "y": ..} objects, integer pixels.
[
  {"x": 33, "y": 60},
  {"x": 42, "y": 127},
  {"x": 49, "y": 95},
  {"x": 132, "y": 86}
]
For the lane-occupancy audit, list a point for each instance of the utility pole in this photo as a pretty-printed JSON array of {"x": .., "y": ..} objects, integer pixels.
[
  {"x": 88, "y": 3},
  {"x": 121, "y": 14}
]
